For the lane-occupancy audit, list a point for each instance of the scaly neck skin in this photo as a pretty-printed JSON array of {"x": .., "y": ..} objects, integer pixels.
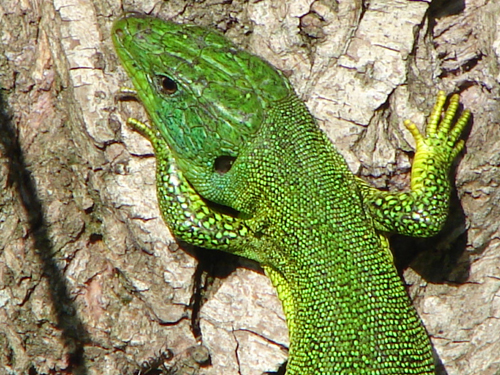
[{"x": 333, "y": 289}]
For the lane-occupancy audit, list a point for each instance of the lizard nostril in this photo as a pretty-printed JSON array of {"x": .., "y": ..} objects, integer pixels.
[
  {"x": 119, "y": 33},
  {"x": 223, "y": 164}
]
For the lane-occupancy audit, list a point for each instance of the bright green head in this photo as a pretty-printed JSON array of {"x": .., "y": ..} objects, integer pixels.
[{"x": 206, "y": 97}]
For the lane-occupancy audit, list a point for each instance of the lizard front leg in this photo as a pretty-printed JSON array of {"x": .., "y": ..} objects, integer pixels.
[
  {"x": 190, "y": 218},
  {"x": 422, "y": 211}
]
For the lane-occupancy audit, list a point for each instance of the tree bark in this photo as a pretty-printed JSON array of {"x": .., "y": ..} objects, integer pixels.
[{"x": 91, "y": 281}]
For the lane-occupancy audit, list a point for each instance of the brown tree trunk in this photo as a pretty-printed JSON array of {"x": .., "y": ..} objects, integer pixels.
[{"x": 91, "y": 281}]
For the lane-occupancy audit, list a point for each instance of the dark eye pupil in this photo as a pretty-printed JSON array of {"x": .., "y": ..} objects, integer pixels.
[{"x": 168, "y": 85}]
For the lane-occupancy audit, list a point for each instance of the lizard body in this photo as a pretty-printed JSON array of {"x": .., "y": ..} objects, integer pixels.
[{"x": 243, "y": 167}]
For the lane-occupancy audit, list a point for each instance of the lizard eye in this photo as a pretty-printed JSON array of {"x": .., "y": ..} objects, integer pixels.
[
  {"x": 223, "y": 164},
  {"x": 166, "y": 85}
]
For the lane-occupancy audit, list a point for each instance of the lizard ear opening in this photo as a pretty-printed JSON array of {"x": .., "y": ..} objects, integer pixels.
[{"x": 223, "y": 164}]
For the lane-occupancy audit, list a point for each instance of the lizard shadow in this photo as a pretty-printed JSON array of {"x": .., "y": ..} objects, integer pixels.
[
  {"x": 440, "y": 259},
  {"x": 213, "y": 267}
]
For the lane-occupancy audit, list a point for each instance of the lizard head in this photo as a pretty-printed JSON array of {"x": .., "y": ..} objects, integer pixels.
[{"x": 206, "y": 97}]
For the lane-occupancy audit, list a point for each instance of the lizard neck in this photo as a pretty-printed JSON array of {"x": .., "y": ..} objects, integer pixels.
[{"x": 337, "y": 282}]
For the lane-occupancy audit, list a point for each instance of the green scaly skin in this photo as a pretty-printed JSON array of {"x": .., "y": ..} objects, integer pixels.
[{"x": 243, "y": 167}]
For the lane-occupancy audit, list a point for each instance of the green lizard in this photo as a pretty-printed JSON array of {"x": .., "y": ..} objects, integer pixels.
[{"x": 243, "y": 167}]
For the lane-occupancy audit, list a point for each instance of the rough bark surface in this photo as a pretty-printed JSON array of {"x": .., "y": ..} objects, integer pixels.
[{"x": 91, "y": 281}]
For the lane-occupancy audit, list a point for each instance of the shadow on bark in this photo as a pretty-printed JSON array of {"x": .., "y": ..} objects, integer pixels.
[{"x": 19, "y": 177}]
